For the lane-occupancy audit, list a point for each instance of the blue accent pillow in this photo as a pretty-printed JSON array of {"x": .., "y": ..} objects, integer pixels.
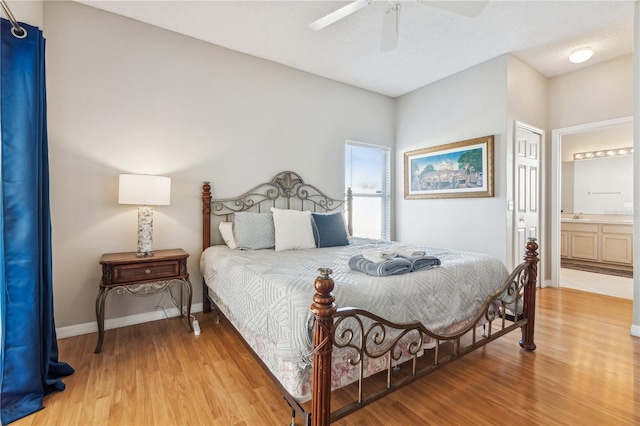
[{"x": 329, "y": 230}]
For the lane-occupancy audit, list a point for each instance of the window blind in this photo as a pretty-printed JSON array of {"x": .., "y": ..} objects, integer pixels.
[{"x": 368, "y": 174}]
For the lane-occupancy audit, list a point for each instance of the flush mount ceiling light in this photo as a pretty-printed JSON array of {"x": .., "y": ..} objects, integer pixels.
[{"x": 581, "y": 55}]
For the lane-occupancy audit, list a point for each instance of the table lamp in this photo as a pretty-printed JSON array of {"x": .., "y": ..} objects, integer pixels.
[{"x": 144, "y": 191}]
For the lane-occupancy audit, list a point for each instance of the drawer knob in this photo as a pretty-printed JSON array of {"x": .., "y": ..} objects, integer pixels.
[{"x": 147, "y": 271}]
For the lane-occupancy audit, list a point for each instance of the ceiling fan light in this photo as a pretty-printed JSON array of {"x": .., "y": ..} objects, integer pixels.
[{"x": 581, "y": 55}]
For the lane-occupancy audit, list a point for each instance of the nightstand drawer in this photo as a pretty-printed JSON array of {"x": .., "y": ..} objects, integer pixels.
[{"x": 148, "y": 271}]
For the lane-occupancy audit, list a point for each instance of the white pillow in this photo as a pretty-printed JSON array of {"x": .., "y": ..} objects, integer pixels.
[
  {"x": 226, "y": 230},
  {"x": 293, "y": 229}
]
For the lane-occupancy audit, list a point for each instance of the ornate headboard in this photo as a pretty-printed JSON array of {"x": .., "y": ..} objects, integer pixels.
[{"x": 286, "y": 190}]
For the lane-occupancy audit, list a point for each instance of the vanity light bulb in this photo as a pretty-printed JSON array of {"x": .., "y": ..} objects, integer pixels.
[{"x": 602, "y": 154}]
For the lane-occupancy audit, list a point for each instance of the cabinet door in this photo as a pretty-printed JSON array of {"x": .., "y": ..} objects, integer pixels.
[
  {"x": 564, "y": 244},
  {"x": 584, "y": 245},
  {"x": 617, "y": 248}
]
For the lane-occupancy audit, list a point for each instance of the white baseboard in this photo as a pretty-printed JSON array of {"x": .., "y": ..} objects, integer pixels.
[
  {"x": 92, "y": 327},
  {"x": 635, "y": 330}
]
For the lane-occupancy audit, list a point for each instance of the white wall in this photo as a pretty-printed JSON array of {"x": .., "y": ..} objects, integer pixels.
[
  {"x": 27, "y": 11},
  {"x": 466, "y": 105},
  {"x": 566, "y": 201},
  {"x": 597, "y": 93},
  {"x": 526, "y": 94},
  {"x": 126, "y": 97}
]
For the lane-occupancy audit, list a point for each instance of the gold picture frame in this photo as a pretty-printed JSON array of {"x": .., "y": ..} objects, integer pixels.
[{"x": 456, "y": 170}]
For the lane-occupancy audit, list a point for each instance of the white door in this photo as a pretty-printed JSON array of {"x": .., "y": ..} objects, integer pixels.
[{"x": 528, "y": 143}]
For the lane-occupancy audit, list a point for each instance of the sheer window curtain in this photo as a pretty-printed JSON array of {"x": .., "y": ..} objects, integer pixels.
[{"x": 29, "y": 366}]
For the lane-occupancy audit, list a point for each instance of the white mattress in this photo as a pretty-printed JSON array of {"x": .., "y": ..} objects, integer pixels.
[{"x": 268, "y": 294}]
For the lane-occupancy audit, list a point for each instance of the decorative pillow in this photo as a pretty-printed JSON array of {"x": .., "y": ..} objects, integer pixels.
[
  {"x": 293, "y": 229},
  {"x": 226, "y": 230},
  {"x": 329, "y": 230},
  {"x": 254, "y": 231}
]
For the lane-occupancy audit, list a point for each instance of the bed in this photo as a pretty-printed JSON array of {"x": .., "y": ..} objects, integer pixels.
[{"x": 317, "y": 322}]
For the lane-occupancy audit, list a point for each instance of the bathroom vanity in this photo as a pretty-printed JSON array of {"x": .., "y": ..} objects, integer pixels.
[{"x": 598, "y": 240}]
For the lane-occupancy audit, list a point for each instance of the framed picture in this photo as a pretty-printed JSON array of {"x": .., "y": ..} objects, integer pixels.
[{"x": 456, "y": 170}]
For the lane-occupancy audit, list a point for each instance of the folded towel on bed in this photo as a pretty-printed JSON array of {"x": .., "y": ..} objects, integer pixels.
[
  {"x": 378, "y": 255},
  {"x": 424, "y": 262},
  {"x": 386, "y": 268},
  {"x": 406, "y": 251}
]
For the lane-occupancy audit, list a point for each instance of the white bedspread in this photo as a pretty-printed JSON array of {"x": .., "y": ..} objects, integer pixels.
[{"x": 270, "y": 292}]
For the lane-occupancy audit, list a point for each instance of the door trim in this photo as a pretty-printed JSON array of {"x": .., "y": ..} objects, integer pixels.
[{"x": 556, "y": 176}]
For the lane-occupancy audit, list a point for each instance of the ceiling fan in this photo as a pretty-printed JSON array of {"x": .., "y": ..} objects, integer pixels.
[{"x": 391, "y": 21}]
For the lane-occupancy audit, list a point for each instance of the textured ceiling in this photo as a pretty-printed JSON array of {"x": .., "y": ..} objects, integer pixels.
[{"x": 433, "y": 44}]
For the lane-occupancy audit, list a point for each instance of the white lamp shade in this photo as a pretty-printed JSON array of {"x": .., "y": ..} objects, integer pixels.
[{"x": 144, "y": 190}]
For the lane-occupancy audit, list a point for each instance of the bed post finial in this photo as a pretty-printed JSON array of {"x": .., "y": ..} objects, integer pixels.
[
  {"x": 529, "y": 308},
  {"x": 323, "y": 309}
]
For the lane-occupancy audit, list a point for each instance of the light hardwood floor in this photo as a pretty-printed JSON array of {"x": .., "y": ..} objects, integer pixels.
[{"x": 585, "y": 371}]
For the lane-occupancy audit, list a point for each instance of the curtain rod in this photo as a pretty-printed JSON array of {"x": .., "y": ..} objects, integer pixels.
[{"x": 18, "y": 31}]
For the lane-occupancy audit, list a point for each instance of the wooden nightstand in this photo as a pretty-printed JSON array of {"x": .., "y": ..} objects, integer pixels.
[{"x": 142, "y": 276}]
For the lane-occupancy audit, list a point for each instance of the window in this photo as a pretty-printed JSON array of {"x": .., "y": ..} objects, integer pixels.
[{"x": 368, "y": 174}]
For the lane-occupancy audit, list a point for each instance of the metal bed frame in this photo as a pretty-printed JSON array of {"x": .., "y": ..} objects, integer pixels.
[{"x": 366, "y": 334}]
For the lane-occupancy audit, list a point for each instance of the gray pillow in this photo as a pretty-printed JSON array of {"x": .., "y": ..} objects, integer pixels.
[{"x": 254, "y": 231}]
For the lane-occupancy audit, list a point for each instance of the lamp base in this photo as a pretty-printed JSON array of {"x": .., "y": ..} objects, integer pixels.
[
  {"x": 145, "y": 254},
  {"x": 145, "y": 231}
]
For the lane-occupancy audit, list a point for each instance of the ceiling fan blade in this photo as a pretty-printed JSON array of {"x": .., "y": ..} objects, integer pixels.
[
  {"x": 337, "y": 15},
  {"x": 470, "y": 9},
  {"x": 390, "y": 28}
]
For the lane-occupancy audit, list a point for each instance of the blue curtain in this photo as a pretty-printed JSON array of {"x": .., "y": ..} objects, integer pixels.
[{"x": 29, "y": 366}]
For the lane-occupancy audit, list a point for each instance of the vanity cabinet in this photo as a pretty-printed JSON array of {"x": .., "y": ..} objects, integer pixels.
[
  {"x": 564, "y": 243},
  {"x": 582, "y": 240},
  {"x": 597, "y": 242},
  {"x": 617, "y": 244}
]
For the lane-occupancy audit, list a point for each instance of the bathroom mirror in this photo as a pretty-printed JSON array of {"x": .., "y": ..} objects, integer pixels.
[{"x": 602, "y": 181}]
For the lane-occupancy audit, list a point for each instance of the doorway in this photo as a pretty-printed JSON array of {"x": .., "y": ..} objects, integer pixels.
[{"x": 594, "y": 201}]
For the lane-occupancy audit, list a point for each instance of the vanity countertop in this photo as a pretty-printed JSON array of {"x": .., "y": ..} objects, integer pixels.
[{"x": 608, "y": 219}]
